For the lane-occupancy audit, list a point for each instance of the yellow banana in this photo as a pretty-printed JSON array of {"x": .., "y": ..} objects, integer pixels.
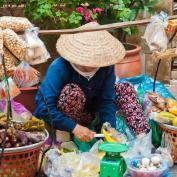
[
  {"x": 168, "y": 116},
  {"x": 107, "y": 137}
]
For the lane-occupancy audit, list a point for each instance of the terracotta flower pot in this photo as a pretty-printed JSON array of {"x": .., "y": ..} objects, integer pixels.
[
  {"x": 27, "y": 98},
  {"x": 131, "y": 64}
]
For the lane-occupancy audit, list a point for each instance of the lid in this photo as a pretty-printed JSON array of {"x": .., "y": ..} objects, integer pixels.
[{"x": 113, "y": 147}]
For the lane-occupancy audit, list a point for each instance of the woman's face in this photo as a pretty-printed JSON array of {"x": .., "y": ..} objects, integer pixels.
[{"x": 86, "y": 68}]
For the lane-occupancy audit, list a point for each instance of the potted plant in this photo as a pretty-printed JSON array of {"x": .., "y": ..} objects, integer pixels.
[{"x": 122, "y": 11}]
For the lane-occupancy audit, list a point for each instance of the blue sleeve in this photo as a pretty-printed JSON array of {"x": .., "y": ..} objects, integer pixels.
[
  {"x": 107, "y": 107},
  {"x": 51, "y": 87}
]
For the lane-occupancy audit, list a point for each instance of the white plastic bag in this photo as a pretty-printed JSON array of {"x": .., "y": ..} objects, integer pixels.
[
  {"x": 37, "y": 52},
  {"x": 142, "y": 146},
  {"x": 13, "y": 89},
  {"x": 165, "y": 155},
  {"x": 72, "y": 164},
  {"x": 155, "y": 35},
  {"x": 25, "y": 76}
]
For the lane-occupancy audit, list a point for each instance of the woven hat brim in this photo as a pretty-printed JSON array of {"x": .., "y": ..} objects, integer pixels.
[{"x": 92, "y": 49}]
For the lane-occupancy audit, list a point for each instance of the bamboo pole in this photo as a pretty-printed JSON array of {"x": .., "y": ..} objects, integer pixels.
[{"x": 98, "y": 28}]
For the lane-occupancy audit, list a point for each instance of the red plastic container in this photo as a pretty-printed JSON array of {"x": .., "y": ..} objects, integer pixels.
[{"x": 27, "y": 98}]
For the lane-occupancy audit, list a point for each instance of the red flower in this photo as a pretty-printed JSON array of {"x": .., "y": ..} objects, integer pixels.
[
  {"x": 80, "y": 10},
  {"x": 97, "y": 10},
  {"x": 87, "y": 16}
]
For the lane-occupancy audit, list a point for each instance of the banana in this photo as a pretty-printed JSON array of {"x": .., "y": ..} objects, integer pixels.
[
  {"x": 107, "y": 137},
  {"x": 168, "y": 116}
]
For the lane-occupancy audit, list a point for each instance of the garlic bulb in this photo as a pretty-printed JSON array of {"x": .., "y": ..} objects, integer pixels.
[
  {"x": 145, "y": 161},
  {"x": 155, "y": 160}
]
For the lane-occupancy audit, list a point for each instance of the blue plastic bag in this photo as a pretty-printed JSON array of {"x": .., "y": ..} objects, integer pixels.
[{"x": 145, "y": 83}]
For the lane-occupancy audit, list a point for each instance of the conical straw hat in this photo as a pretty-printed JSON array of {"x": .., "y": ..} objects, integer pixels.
[{"x": 92, "y": 49}]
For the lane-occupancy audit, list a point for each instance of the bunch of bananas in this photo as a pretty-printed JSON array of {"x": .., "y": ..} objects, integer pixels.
[
  {"x": 31, "y": 125},
  {"x": 172, "y": 106},
  {"x": 167, "y": 118}
]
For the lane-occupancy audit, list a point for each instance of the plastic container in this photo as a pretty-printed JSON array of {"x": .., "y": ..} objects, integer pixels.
[{"x": 135, "y": 172}]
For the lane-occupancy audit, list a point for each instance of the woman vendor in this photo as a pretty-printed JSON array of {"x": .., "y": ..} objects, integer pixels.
[{"x": 80, "y": 84}]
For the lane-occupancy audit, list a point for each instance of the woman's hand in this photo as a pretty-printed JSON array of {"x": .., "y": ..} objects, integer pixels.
[{"x": 83, "y": 133}]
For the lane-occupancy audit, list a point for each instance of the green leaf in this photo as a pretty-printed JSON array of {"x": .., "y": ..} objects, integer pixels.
[
  {"x": 94, "y": 16},
  {"x": 75, "y": 18},
  {"x": 119, "y": 7},
  {"x": 127, "y": 31}
]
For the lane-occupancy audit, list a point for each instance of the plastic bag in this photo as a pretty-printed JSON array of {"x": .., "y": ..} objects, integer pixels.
[
  {"x": 19, "y": 112},
  {"x": 13, "y": 89},
  {"x": 146, "y": 84},
  {"x": 26, "y": 76},
  {"x": 142, "y": 146},
  {"x": 122, "y": 127},
  {"x": 15, "y": 44},
  {"x": 15, "y": 23},
  {"x": 71, "y": 164},
  {"x": 155, "y": 35},
  {"x": 165, "y": 155},
  {"x": 37, "y": 52}
]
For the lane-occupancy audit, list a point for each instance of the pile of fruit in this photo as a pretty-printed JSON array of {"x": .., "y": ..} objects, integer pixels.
[
  {"x": 21, "y": 134},
  {"x": 17, "y": 138},
  {"x": 166, "y": 109}
]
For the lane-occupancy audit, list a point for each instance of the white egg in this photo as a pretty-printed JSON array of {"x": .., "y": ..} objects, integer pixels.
[
  {"x": 155, "y": 160},
  {"x": 152, "y": 168},
  {"x": 146, "y": 161}
]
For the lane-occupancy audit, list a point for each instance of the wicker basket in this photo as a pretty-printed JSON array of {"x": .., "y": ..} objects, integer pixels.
[
  {"x": 22, "y": 161},
  {"x": 170, "y": 139}
]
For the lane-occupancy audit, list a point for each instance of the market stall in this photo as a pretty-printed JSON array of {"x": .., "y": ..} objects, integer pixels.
[{"x": 143, "y": 143}]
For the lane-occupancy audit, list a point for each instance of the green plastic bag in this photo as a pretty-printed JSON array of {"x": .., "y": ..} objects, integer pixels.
[
  {"x": 156, "y": 133},
  {"x": 83, "y": 146}
]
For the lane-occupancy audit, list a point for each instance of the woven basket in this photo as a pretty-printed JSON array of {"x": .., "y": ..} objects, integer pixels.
[
  {"x": 22, "y": 161},
  {"x": 170, "y": 139}
]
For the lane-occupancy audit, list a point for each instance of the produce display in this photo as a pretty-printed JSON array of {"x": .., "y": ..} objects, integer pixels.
[
  {"x": 72, "y": 95},
  {"x": 17, "y": 138},
  {"x": 128, "y": 104},
  {"x": 152, "y": 166},
  {"x": 165, "y": 109},
  {"x": 26, "y": 48},
  {"x": 15, "y": 23},
  {"x": 31, "y": 125},
  {"x": 23, "y": 133},
  {"x": 148, "y": 163}
]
